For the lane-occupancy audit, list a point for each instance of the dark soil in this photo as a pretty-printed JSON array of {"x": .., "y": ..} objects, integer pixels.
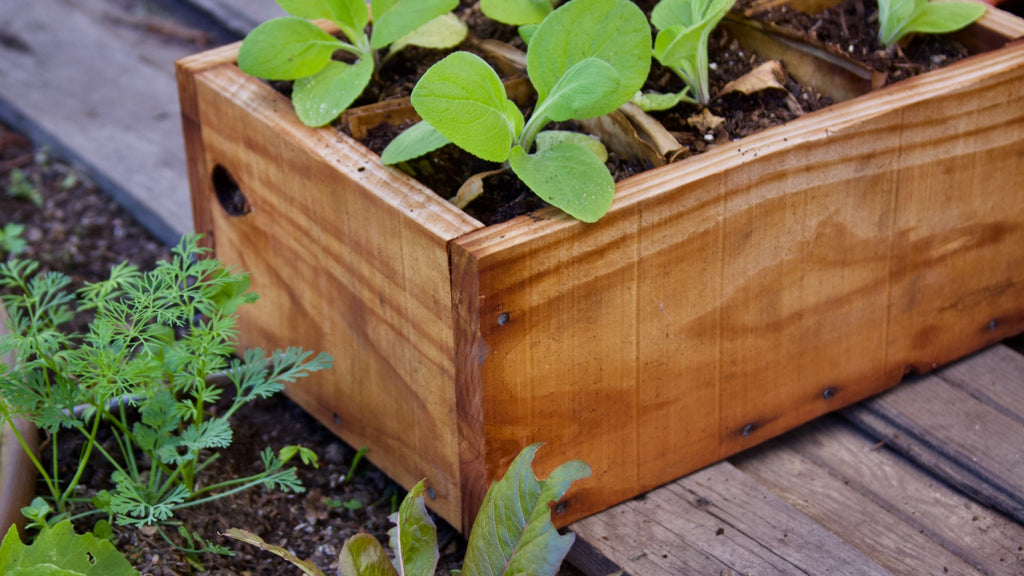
[
  {"x": 849, "y": 29},
  {"x": 78, "y": 230}
]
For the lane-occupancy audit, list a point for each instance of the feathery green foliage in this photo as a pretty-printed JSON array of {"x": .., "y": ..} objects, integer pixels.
[{"x": 144, "y": 370}]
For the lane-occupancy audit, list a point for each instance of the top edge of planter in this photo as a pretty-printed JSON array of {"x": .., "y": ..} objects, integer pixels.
[{"x": 999, "y": 33}]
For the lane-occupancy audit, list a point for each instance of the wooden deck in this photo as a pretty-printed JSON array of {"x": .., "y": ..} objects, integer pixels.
[{"x": 926, "y": 479}]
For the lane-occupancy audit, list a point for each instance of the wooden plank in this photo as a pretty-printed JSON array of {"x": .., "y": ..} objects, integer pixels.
[
  {"x": 968, "y": 443},
  {"x": 383, "y": 309},
  {"x": 239, "y": 16},
  {"x": 984, "y": 538},
  {"x": 994, "y": 376},
  {"x": 732, "y": 296},
  {"x": 715, "y": 521},
  {"x": 102, "y": 94},
  {"x": 864, "y": 523}
]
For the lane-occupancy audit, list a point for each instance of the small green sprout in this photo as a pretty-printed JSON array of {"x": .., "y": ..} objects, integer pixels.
[
  {"x": 682, "y": 45},
  {"x": 901, "y": 17},
  {"x": 293, "y": 48},
  {"x": 21, "y": 187},
  {"x": 513, "y": 533},
  {"x": 11, "y": 241},
  {"x": 585, "y": 60}
]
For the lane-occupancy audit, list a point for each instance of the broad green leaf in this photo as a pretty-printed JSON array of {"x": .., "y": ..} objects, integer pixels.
[
  {"x": 526, "y": 32},
  {"x": 362, "y": 555},
  {"x": 308, "y": 9},
  {"x": 414, "y": 537},
  {"x": 567, "y": 176},
  {"x": 403, "y": 17},
  {"x": 319, "y": 99},
  {"x": 582, "y": 92},
  {"x": 549, "y": 138},
  {"x": 445, "y": 31},
  {"x": 306, "y": 566},
  {"x": 615, "y": 31},
  {"x": 286, "y": 49},
  {"x": 677, "y": 44},
  {"x": 463, "y": 98},
  {"x": 513, "y": 533},
  {"x": 58, "y": 550},
  {"x": 944, "y": 17},
  {"x": 668, "y": 13},
  {"x": 516, "y": 12},
  {"x": 350, "y": 15},
  {"x": 419, "y": 139}
]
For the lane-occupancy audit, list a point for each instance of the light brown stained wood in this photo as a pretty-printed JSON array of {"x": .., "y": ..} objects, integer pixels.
[
  {"x": 868, "y": 525},
  {"x": 718, "y": 521},
  {"x": 311, "y": 246},
  {"x": 732, "y": 296},
  {"x": 723, "y": 300},
  {"x": 982, "y": 537}
]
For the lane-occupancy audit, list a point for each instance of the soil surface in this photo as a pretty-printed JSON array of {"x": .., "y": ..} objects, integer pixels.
[
  {"x": 848, "y": 29},
  {"x": 73, "y": 227}
]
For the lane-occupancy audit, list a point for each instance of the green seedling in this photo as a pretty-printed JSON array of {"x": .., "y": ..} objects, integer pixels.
[
  {"x": 682, "y": 46},
  {"x": 585, "y": 60},
  {"x": 526, "y": 14},
  {"x": 21, "y": 187},
  {"x": 147, "y": 370},
  {"x": 293, "y": 48},
  {"x": 513, "y": 533},
  {"x": 899, "y": 18},
  {"x": 11, "y": 241}
]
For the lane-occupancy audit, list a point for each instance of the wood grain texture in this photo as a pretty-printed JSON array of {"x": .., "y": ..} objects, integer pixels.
[
  {"x": 320, "y": 206},
  {"x": 869, "y": 525},
  {"x": 723, "y": 300},
  {"x": 984, "y": 538},
  {"x": 731, "y": 296},
  {"x": 994, "y": 377},
  {"x": 718, "y": 521},
  {"x": 969, "y": 440}
]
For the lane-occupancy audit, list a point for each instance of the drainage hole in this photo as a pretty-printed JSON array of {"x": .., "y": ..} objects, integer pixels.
[{"x": 230, "y": 196}]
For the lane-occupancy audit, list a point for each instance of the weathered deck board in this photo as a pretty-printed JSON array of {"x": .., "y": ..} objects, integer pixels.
[
  {"x": 716, "y": 521},
  {"x": 239, "y": 16},
  {"x": 961, "y": 432},
  {"x": 843, "y": 483},
  {"x": 82, "y": 77}
]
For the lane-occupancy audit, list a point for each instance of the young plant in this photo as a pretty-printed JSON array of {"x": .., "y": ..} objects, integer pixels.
[
  {"x": 147, "y": 370},
  {"x": 585, "y": 60},
  {"x": 21, "y": 187},
  {"x": 58, "y": 551},
  {"x": 292, "y": 48},
  {"x": 513, "y": 533},
  {"x": 682, "y": 45},
  {"x": 897, "y": 18},
  {"x": 11, "y": 242},
  {"x": 527, "y": 14}
]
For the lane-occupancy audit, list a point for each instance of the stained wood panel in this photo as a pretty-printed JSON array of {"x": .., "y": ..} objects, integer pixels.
[
  {"x": 382, "y": 309},
  {"x": 734, "y": 295}
]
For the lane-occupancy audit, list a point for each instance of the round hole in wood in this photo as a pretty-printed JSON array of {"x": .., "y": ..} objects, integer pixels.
[{"x": 230, "y": 196}]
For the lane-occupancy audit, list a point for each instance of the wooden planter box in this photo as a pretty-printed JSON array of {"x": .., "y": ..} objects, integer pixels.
[{"x": 723, "y": 300}]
